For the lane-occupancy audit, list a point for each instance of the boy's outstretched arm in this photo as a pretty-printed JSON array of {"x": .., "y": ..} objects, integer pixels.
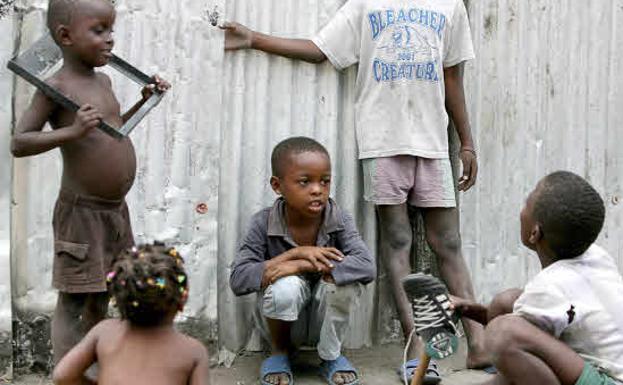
[
  {"x": 29, "y": 139},
  {"x": 455, "y": 104},
  {"x": 70, "y": 370},
  {"x": 470, "y": 309},
  {"x": 237, "y": 36},
  {"x": 501, "y": 304}
]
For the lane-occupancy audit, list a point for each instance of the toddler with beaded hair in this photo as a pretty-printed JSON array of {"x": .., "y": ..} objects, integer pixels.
[{"x": 149, "y": 286}]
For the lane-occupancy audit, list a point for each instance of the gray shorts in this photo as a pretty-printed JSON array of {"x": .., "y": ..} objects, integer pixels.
[{"x": 420, "y": 182}]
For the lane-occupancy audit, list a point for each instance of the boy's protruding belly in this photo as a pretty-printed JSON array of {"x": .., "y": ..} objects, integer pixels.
[{"x": 99, "y": 166}]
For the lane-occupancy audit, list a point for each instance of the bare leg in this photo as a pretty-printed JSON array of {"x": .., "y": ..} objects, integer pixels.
[
  {"x": 442, "y": 234},
  {"x": 279, "y": 336},
  {"x": 526, "y": 355},
  {"x": 74, "y": 316},
  {"x": 396, "y": 236},
  {"x": 280, "y": 345}
]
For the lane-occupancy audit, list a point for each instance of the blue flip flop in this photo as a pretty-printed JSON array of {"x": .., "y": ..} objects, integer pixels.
[
  {"x": 490, "y": 370},
  {"x": 341, "y": 364},
  {"x": 431, "y": 377},
  {"x": 276, "y": 365}
]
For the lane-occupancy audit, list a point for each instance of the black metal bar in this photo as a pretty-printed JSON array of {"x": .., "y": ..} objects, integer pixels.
[
  {"x": 57, "y": 97},
  {"x": 43, "y": 55},
  {"x": 128, "y": 70}
]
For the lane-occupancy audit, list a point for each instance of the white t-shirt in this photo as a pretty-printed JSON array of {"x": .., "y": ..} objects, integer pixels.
[
  {"x": 402, "y": 47},
  {"x": 580, "y": 301}
]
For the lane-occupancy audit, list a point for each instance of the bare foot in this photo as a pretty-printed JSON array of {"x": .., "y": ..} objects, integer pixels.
[
  {"x": 344, "y": 378},
  {"x": 477, "y": 358},
  {"x": 277, "y": 379}
]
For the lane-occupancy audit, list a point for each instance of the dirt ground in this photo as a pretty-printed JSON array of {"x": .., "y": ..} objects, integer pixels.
[{"x": 377, "y": 366}]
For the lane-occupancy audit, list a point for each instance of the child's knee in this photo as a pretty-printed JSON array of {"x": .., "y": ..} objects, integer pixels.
[
  {"x": 343, "y": 298},
  {"x": 503, "y": 333},
  {"x": 284, "y": 299},
  {"x": 444, "y": 242},
  {"x": 397, "y": 237}
]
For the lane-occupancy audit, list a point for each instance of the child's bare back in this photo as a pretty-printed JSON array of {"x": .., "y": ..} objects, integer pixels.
[
  {"x": 152, "y": 356},
  {"x": 149, "y": 286}
]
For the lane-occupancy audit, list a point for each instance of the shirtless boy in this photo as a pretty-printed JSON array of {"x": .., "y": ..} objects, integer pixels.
[{"x": 91, "y": 221}]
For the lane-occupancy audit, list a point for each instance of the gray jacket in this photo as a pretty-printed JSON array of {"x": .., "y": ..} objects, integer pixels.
[{"x": 268, "y": 237}]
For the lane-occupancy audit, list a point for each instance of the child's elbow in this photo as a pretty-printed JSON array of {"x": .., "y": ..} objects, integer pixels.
[
  {"x": 317, "y": 58},
  {"x": 235, "y": 284},
  {"x": 58, "y": 378},
  {"x": 371, "y": 271},
  {"x": 17, "y": 148}
]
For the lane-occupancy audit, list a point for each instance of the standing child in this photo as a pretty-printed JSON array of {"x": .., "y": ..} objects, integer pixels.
[
  {"x": 91, "y": 221},
  {"x": 566, "y": 326},
  {"x": 410, "y": 79},
  {"x": 149, "y": 286},
  {"x": 307, "y": 261}
]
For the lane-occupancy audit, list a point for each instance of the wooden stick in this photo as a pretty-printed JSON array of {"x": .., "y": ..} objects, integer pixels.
[{"x": 420, "y": 372}]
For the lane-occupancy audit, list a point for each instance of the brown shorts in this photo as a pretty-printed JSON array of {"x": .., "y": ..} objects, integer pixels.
[{"x": 89, "y": 232}]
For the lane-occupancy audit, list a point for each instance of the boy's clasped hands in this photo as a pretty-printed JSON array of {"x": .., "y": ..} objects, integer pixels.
[{"x": 303, "y": 259}]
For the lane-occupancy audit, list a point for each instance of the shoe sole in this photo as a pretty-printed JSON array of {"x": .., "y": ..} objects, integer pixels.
[{"x": 442, "y": 343}]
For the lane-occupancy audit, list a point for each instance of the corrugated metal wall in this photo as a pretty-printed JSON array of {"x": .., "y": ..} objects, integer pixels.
[
  {"x": 5, "y": 200},
  {"x": 543, "y": 95}
]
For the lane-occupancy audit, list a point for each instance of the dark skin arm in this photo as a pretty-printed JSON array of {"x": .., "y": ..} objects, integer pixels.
[
  {"x": 470, "y": 309},
  {"x": 160, "y": 85},
  {"x": 455, "y": 105},
  {"x": 237, "y": 36},
  {"x": 501, "y": 304},
  {"x": 299, "y": 260},
  {"x": 71, "y": 368},
  {"x": 29, "y": 139}
]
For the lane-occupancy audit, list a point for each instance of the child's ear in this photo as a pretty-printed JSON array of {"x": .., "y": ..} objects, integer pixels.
[
  {"x": 535, "y": 234},
  {"x": 62, "y": 35},
  {"x": 275, "y": 184}
]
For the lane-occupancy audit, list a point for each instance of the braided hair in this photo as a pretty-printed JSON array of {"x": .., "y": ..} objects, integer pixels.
[{"x": 148, "y": 283}]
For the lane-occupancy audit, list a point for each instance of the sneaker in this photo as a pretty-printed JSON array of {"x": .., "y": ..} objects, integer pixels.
[{"x": 432, "y": 315}]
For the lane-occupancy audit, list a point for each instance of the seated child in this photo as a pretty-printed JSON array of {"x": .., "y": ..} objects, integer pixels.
[
  {"x": 308, "y": 262},
  {"x": 566, "y": 327},
  {"x": 149, "y": 287}
]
